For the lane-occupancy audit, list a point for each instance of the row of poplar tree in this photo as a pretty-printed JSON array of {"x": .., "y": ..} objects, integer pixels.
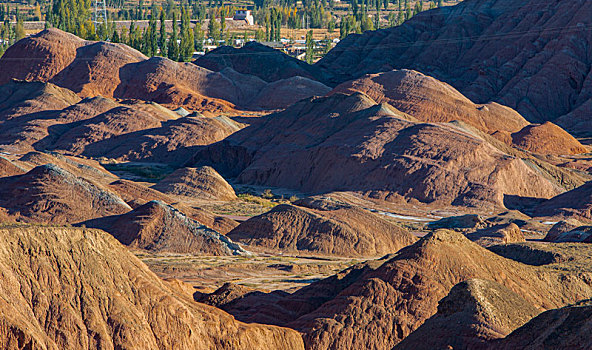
[{"x": 177, "y": 42}]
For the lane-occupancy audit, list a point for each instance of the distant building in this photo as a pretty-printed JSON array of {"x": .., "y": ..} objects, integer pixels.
[{"x": 244, "y": 15}]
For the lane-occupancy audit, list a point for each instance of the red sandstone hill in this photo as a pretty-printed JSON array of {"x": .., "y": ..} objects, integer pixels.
[
  {"x": 136, "y": 195},
  {"x": 73, "y": 288},
  {"x": 547, "y": 138},
  {"x": 562, "y": 329},
  {"x": 430, "y": 100},
  {"x": 116, "y": 70},
  {"x": 350, "y": 143},
  {"x": 377, "y": 304},
  {"x": 50, "y": 194},
  {"x": 340, "y": 230},
  {"x": 159, "y": 227},
  {"x": 474, "y": 313},
  {"x": 530, "y": 55},
  {"x": 19, "y": 98},
  {"x": 576, "y": 203},
  {"x": 200, "y": 183},
  {"x": 174, "y": 142},
  {"x": 46, "y": 117},
  {"x": 84, "y": 168}
]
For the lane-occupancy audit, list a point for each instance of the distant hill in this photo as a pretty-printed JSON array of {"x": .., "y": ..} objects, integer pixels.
[{"x": 531, "y": 55}]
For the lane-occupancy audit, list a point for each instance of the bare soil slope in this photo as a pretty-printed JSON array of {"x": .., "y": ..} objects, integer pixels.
[
  {"x": 258, "y": 60},
  {"x": 83, "y": 289},
  {"x": 115, "y": 70},
  {"x": 576, "y": 203},
  {"x": 42, "y": 116},
  {"x": 547, "y": 138},
  {"x": 559, "y": 329},
  {"x": 136, "y": 195}
]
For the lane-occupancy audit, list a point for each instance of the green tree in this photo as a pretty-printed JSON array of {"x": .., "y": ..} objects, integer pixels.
[
  {"x": 198, "y": 37},
  {"x": 214, "y": 29},
  {"x": 309, "y": 47},
  {"x": 115, "y": 37},
  {"x": 173, "y": 51},
  {"x": 72, "y": 16},
  {"x": 152, "y": 35},
  {"x": 331, "y": 25},
  {"x": 162, "y": 38},
  {"x": 19, "y": 29},
  {"x": 259, "y": 35},
  {"x": 187, "y": 45}
]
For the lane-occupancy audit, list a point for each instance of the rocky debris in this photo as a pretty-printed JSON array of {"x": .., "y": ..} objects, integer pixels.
[
  {"x": 379, "y": 303},
  {"x": 499, "y": 51},
  {"x": 468, "y": 221},
  {"x": 50, "y": 194},
  {"x": 201, "y": 183},
  {"x": 136, "y": 195},
  {"x": 576, "y": 203},
  {"x": 82, "y": 289},
  {"x": 430, "y": 100},
  {"x": 118, "y": 71},
  {"x": 498, "y": 234},
  {"x": 159, "y": 227},
  {"x": 472, "y": 314},
  {"x": 346, "y": 231},
  {"x": 258, "y": 60},
  {"x": 347, "y": 142},
  {"x": 182, "y": 112},
  {"x": 547, "y": 138}
]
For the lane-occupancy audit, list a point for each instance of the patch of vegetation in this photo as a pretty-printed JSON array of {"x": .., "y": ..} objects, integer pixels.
[
  {"x": 249, "y": 198},
  {"x": 149, "y": 172}
]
